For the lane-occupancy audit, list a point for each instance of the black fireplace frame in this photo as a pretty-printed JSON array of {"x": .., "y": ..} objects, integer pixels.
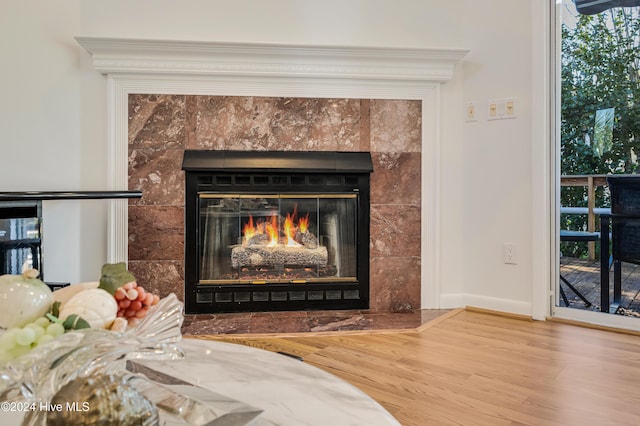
[{"x": 279, "y": 171}]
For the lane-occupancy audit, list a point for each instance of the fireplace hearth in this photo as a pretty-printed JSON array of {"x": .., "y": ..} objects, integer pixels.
[{"x": 276, "y": 230}]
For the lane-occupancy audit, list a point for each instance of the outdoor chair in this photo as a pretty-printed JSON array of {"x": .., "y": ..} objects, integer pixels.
[
  {"x": 625, "y": 227},
  {"x": 575, "y": 236}
]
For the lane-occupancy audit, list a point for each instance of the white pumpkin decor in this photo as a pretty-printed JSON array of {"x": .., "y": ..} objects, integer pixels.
[
  {"x": 96, "y": 306},
  {"x": 65, "y": 293},
  {"x": 23, "y": 298}
]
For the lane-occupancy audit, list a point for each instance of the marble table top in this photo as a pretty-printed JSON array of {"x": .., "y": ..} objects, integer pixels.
[
  {"x": 288, "y": 391},
  {"x": 254, "y": 387}
]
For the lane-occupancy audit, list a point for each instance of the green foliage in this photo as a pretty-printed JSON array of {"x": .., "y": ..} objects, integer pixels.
[
  {"x": 600, "y": 70},
  {"x": 72, "y": 322},
  {"x": 600, "y": 64},
  {"x": 75, "y": 322},
  {"x": 55, "y": 309},
  {"x": 114, "y": 275}
]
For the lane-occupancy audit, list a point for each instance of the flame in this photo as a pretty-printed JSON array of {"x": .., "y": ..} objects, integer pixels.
[
  {"x": 290, "y": 230},
  {"x": 249, "y": 229},
  {"x": 303, "y": 224},
  {"x": 271, "y": 228}
]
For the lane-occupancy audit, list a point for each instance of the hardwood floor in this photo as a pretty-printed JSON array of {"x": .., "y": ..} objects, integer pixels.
[
  {"x": 474, "y": 368},
  {"x": 585, "y": 276}
]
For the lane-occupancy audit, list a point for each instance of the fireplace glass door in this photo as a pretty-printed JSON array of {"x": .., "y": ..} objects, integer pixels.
[{"x": 277, "y": 238}]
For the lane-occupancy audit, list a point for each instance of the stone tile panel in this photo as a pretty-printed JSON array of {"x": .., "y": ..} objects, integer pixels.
[
  {"x": 159, "y": 277},
  {"x": 395, "y": 230},
  {"x": 396, "y": 178},
  {"x": 157, "y": 121},
  {"x": 396, "y": 126},
  {"x": 278, "y": 322},
  {"x": 156, "y": 233},
  {"x": 334, "y": 124},
  {"x": 158, "y": 174},
  {"x": 217, "y": 324},
  {"x": 250, "y": 123},
  {"x": 395, "y": 284}
]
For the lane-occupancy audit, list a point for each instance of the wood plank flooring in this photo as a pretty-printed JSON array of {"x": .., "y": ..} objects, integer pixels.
[
  {"x": 585, "y": 276},
  {"x": 475, "y": 368}
]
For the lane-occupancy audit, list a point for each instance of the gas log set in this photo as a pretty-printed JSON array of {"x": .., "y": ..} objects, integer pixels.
[{"x": 265, "y": 244}]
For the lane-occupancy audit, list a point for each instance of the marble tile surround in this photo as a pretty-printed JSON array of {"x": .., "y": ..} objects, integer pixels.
[{"x": 161, "y": 127}]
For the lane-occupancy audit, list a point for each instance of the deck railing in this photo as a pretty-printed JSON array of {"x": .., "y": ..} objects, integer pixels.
[{"x": 590, "y": 182}]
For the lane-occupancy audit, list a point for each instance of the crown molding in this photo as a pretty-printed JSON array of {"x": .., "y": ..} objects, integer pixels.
[{"x": 146, "y": 56}]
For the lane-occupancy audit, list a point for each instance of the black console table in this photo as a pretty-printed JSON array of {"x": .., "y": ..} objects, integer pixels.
[
  {"x": 67, "y": 195},
  {"x": 26, "y": 208}
]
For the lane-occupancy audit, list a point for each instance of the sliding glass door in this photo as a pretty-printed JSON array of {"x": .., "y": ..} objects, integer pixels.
[{"x": 598, "y": 71}]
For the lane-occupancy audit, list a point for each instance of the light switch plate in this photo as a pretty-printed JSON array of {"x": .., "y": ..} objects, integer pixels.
[
  {"x": 510, "y": 108},
  {"x": 499, "y": 109},
  {"x": 492, "y": 109},
  {"x": 471, "y": 112}
]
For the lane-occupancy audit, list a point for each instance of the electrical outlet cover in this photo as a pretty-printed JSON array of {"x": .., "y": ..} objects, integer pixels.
[{"x": 509, "y": 254}]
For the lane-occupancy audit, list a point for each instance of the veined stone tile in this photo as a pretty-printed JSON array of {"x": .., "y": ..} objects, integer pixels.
[
  {"x": 396, "y": 178},
  {"x": 312, "y": 321},
  {"x": 250, "y": 123},
  {"x": 158, "y": 174},
  {"x": 396, "y": 126},
  {"x": 156, "y": 233},
  {"x": 278, "y": 322},
  {"x": 395, "y": 230},
  {"x": 216, "y": 324},
  {"x": 340, "y": 320},
  {"x": 334, "y": 124},
  {"x": 211, "y": 120},
  {"x": 160, "y": 277},
  {"x": 396, "y": 286},
  {"x": 396, "y": 320},
  {"x": 365, "y": 125},
  {"x": 157, "y": 121}
]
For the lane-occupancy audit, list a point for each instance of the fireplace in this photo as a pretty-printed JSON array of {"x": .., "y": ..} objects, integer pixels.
[
  {"x": 399, "y": 121},
  {"x": 276, "y": 230}
]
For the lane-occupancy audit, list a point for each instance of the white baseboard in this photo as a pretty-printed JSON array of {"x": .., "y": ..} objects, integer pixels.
[{"x": 461, "y": 300}]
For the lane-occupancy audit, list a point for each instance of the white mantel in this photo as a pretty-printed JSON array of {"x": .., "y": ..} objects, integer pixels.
[
  {"x": 277, "y": 70},
  {"x": 136, "y": 56}
]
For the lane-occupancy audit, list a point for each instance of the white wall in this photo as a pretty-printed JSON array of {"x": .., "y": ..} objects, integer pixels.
[
  {"x": 493, "y": 180},
  {"x": 52, "y": 136},
  {"x": 53, "y": 106}
]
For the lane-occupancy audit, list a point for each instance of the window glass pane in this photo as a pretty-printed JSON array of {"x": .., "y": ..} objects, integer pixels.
[{"x": 272, "y": 238}]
